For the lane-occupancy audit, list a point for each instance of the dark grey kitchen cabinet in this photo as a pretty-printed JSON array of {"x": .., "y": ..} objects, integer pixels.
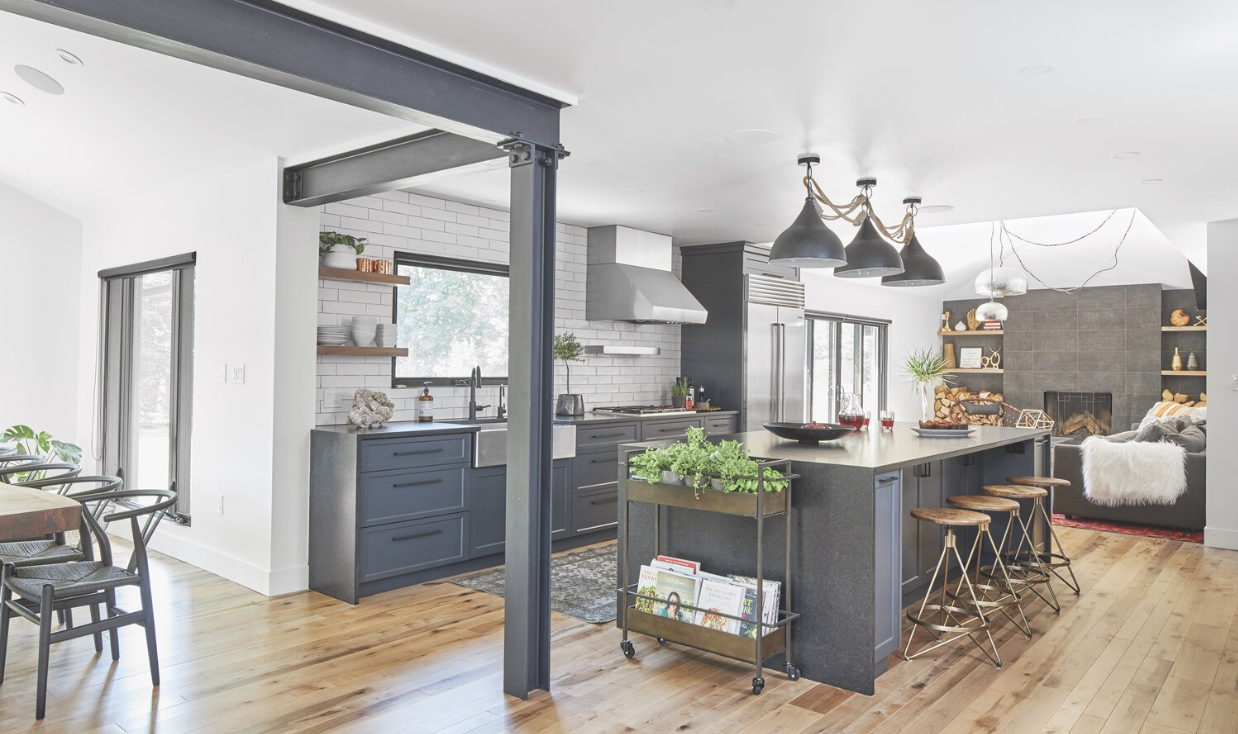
[
  {"x": 489, "y": 506},
  {"x": 921, "y": 486},
  {"x": 721, "y": 425},
  {"x": 887, "y": 509},
  {"x": 652, "y": 430}
]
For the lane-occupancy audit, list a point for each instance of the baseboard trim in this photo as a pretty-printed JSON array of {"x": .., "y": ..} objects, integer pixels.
[{"x": 1221, "y": 538}]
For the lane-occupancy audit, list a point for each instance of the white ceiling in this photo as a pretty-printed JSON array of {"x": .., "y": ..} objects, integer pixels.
[
  {"x": 928, "y": 97},
  {"x": 132, "y": 121}
]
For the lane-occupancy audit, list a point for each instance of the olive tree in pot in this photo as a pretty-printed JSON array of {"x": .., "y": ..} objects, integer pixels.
[
  {"x": 340, "y": 250},
  {"x": 568, "y": 349}
]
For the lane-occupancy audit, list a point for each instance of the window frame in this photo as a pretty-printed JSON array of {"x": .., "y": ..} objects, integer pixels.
[
  {"x": 883, "y": 357},
  {"x": 439, "y": 262}
]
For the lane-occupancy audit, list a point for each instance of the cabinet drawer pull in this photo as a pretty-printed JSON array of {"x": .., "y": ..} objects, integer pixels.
[
  {"x": 414, "y": 536},
  {"x": 419, "y": 483},
  {"x": 679, "y": 429},
  {"x": 887, "y": 480},
  {"x": 604, "y": 502},
  {"x": 418, "y": 452},
  {"x": 615, "y": 434},
  {"x": 604, "y": 461}
]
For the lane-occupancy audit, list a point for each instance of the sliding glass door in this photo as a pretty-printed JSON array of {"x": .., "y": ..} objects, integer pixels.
[
  {"x": 146, "y": 374},
  {"x": 847, "y": 356}
]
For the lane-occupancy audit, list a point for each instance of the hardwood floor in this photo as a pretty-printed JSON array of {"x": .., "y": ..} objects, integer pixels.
[{"x": 1150, "y": 646}]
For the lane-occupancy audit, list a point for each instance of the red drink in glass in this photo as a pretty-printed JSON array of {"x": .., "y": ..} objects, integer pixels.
[{"x": 887, "y": 423}]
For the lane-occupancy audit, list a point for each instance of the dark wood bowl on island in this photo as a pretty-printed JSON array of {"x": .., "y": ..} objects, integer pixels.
[{"x": 797, "y": 432}]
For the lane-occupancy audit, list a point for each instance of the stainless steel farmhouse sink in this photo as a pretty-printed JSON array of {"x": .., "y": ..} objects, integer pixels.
[{"x": 490, "y": 447}]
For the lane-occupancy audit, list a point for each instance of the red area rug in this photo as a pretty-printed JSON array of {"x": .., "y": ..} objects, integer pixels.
[{"x": 1148, "y": 531}]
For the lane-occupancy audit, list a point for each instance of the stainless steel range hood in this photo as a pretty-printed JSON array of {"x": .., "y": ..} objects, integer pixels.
[{"x": 630, "y": 279}]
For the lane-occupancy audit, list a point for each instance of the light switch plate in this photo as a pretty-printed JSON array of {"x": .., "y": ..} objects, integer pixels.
[
  {"x": 331, "y": 399},
  {"x": 237, "y": 374}
]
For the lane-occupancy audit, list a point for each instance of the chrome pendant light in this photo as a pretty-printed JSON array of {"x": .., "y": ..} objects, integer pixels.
[
  {"x": 992, "y": 311},
  {"x": 1000, "y": 281},
  {"x": 808, "y": 243},
  {"x": 869, "y": 255},
  {"x": 919, "y": 267}
]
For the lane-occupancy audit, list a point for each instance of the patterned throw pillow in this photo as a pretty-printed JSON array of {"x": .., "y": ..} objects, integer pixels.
[{"x": 1165, "y": 410}]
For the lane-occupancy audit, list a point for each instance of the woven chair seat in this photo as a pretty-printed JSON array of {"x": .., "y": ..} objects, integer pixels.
[
  {"x": 37, "y": 552},
  {"x": 69, "y": 579}
]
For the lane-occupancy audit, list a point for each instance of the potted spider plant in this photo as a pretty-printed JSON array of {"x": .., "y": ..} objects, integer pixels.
[{"x": 925, "y": 369}]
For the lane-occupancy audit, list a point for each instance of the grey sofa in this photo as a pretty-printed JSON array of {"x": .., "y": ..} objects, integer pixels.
[{"x": 1185, "y": 514}]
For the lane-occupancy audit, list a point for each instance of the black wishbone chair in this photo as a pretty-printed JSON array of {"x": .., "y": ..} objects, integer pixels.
[
  {"x": 34, "y": 591},
  {"x": 40, "y": 551},
  {"x": 38, "y": 471}
]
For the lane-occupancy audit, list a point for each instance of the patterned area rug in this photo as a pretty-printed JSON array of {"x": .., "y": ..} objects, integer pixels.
[
  {"x": 582, "y": 584},
  {"x": 1147, "y": 531}
]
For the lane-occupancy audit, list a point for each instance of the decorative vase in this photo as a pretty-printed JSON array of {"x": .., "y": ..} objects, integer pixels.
[
  {"x": 1192, "y": 363},
  {"x": 570, "y": 405},
  {"x": 926, "y": 400},
  {"x": 1176, "y": 365},
  {"x": 343, "y": 257}
]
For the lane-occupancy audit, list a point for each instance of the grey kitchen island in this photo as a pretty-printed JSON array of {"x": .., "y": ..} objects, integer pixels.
[{"x": 857, "y": 557}]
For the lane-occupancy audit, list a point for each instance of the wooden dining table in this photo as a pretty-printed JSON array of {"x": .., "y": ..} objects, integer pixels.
[{"x": 32, "y": 513}]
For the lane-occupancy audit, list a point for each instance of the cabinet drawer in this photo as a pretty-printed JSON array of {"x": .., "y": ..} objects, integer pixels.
[
  {"x": 595, "y": 510},
  {"x": 391, "y": 550},
  {"x": 601, "y": 467},
  {"x": 413, "y": 453},
  {"x": 655, "y": 430},
  {"x": 722, "y": 425},
  {"x": 408, "y": 495},
  {"x": 609, "y": 434}
]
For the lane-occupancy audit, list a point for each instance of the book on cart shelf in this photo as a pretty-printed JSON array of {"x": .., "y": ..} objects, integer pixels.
[
  {"x": 773, "y": 590},
  {"x": 717, "y": 603},
  {"x": 671, "y": 563},
  {"x": 676, "y": 591}
]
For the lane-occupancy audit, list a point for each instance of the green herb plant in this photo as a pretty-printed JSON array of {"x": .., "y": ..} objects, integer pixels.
[
  {"x": 327, "y": 240},
  {"x": 679, "y": 390},
  {"x": 568, "y": 349},
  {"x": 697, "y": 461}
]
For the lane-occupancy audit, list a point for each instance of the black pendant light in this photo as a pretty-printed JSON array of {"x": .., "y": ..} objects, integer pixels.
[
  {"x": 869, "y": 255},
  {"x": 808, "y": 243},
  {"x": 919, "y": 268}
]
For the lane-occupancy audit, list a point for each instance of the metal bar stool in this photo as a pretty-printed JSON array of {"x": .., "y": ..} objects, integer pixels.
[
  {"x": 1023, "y": 560},
  {"x": 998, "y": 590},
  {"x": 958, "y": 621},
  {"x": 1053, "y": 559}
]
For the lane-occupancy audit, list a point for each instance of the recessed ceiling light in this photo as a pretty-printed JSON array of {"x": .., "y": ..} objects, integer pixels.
[
  {"x": 69, "y": 58},
  {"x": 1037, "y": 70},
  {"x": 38, "y": 79},
  {"x": 761, "y": 224},
  {"x": 704, "y": 211},
  {"x": 632, "y": 192},
  {"x": 1126, "y": 154},
  {"x": 934, "y": 209},
  {"x": 1089, "y": 120},
  {"x": 719, "y": 6},
  {"x": 12, "y": 98},
  {"x": 753, "y": 136},
  {"x": 1152, "y": 181}
]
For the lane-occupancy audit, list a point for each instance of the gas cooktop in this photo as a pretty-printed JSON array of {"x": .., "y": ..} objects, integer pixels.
[{"x": 642, "y": 410}]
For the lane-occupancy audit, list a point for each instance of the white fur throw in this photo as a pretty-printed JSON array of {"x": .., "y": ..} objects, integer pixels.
[{"x": 1133, "y": 473}]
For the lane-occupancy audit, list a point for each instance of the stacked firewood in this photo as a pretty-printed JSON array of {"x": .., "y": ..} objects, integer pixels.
[{"x": 949, "y": 404}]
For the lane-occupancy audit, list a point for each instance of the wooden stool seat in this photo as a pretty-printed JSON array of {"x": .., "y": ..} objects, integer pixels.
[
  {"x": 949, "y": 517},
  {"x": 1014, "y": 492},
  {"x": 983, "y": 503},
  {"x": 1038, "y": 481}
]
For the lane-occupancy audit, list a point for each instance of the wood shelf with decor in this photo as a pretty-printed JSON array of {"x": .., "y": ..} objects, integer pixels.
[
  {"x": 977, "y": 371},
  {"x": 1184, "y": 328},
  {"x": 324, "y": 350},
  {"x": 978, "y": 332},
  {"x": 1184, "y": 373},
  {"x": 356, "y": 276}
]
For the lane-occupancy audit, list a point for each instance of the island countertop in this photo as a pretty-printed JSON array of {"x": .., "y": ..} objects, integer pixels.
[{"x": 879, "y": 451}]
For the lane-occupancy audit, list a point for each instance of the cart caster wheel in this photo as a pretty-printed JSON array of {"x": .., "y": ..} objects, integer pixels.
[
  {"x": 661, "y": 640},
  {"x": 793, "y": 672},
  {"x": 757, "y": 685},
  {"x": 629, "y": 650}
]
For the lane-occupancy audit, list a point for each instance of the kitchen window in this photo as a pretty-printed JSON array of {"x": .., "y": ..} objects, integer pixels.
[
  {"x": 146, "y": 375},
  {"x": 451, "y": 317},
  {"x": 846, "y": 355}
]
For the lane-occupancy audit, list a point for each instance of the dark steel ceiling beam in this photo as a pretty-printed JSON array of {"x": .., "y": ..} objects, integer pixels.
[
  {"x": 389, "y": 166},
  {"x": 274, "y": 43}
]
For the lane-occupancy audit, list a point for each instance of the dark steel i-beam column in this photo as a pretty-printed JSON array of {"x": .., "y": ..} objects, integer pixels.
[{"x": 526, "y": 641}]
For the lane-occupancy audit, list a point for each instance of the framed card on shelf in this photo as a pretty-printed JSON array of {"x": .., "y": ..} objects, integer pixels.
[{"x": 970, "y": 358}]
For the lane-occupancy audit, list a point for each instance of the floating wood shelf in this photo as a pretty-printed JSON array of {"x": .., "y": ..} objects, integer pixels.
[
  {"x": 977, "y": 332},
  {"x": 362, "y": 351},
  {"x": 1184, "y": 373},
  {"x": 357, "y": 276},
  {"x": 982, "y": 370},
  {"x": 1184, "y": 328}
]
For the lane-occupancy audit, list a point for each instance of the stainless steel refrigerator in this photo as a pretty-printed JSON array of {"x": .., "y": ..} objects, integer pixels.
[{"x": 775, "y": 346}]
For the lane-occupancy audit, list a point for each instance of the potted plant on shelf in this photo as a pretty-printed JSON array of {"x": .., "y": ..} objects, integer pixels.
[
  {"x": 926, "y": 369},
  {"x": 568, "y": 349},
  {"x": 339, "y": 250},
  {"x": 724, "y": 467}
]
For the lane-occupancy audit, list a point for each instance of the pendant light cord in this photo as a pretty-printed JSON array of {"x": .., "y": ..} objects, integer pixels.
[
  {"x": 1090, "y": 278},
  {"x": 848, "y": 212}
]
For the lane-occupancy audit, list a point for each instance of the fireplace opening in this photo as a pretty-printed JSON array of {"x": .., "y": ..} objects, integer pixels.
[{"x": 1080, "y": 414}]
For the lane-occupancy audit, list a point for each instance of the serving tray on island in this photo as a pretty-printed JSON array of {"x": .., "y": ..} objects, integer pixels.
[
  {"x": 799, "y": 432},
  {"x": 944, "y": 432}
]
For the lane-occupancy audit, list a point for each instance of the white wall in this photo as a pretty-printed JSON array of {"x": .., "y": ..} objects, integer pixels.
[
  {"x": 1222, "y": 528},
  {"x": 914, "y": 321},
  {"x": 40, "y": 255},
  {"x": 238, "y": 450}
]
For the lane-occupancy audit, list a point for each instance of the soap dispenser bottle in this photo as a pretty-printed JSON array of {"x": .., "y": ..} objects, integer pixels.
[{"x": 425, "y": 406}]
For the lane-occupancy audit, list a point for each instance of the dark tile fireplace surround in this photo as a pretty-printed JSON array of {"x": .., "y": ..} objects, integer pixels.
[
  {"x": 1099, "y": 340},
  {"x": 1080, "y": 414}
]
